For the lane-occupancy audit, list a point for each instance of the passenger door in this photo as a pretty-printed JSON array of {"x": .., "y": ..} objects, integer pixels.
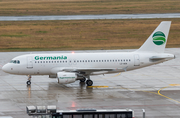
[
  {"x": 136, "y": 60},
  {"x": 29, "y": 62}
]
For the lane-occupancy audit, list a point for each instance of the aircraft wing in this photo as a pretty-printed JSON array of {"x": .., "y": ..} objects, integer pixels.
[{"x": 87, "y": 70}]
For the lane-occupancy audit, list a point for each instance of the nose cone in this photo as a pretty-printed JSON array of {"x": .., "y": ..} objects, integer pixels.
[{"x": 5, "y": 68}]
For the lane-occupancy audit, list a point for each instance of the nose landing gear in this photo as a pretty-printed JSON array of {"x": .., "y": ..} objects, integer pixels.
[{"x": 29, "y": 80}]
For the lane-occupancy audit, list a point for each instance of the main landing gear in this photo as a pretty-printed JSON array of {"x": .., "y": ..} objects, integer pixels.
[
  {"x": 88, "y": 82},
  {"x": 29, "y": 80}
]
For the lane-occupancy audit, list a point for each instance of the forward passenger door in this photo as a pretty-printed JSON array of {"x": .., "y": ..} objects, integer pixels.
[{"x": 29, "y": 62}]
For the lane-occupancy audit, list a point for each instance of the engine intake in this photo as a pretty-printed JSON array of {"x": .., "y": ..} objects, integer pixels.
[{"x": 66, "y": 77}]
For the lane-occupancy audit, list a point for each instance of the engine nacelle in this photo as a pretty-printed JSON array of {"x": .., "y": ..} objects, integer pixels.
[{"x": 66, "y": 77}]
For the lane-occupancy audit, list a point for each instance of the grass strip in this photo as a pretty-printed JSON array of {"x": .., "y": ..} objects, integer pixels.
[
  {"x": 81, "y": 34},
  {"x": 76, "y": 7}
]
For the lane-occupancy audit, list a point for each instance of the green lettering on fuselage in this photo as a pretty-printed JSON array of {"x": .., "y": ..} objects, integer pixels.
[{"x": 50, "y": 58}]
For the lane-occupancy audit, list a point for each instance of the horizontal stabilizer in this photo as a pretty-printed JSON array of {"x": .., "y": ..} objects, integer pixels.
[
  {"x": 157, "y": 58},
  {"x": 164, "y": 56}
]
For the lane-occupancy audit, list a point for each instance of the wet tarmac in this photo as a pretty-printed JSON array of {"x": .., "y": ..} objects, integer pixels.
[
  {"x": 90, "y": 17},
  {"x": 155, "y": 89}
]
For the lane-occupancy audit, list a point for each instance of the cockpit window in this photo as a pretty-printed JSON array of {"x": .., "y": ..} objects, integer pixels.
[
  {"x": 18, "y": 62},
  {"x": 15, "y": 61}
]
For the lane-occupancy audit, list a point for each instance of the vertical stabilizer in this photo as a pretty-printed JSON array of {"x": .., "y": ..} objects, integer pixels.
[{"x": 158, "y": 39}]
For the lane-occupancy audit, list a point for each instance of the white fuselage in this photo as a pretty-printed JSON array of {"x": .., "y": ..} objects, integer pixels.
[{"x": 50, "y": 64}]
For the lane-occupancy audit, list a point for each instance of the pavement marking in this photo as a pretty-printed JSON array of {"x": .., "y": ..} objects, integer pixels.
[
  {"x": 113, "y": 76},
  {"x": 98, "y": 86},
  {"x": 174, "y": 84},
  {"x": 117, "y": 75},
  {"x": 166, "y": 96},
  {"x": 158, "y": 93},
  {"x": 104, "y": 86}
]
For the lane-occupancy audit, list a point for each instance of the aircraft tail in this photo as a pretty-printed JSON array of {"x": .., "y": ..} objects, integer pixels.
[{"x": 158, "y": 39}]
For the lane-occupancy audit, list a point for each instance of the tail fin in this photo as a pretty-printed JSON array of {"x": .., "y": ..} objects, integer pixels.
[{"x": 157, "y": 40}]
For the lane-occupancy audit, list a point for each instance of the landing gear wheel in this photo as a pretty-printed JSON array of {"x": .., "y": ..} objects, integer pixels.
[
  {"x": 89, "y": 82},
  {"x": 28, "y": 82},
  {"x": 83, "y": 80}
]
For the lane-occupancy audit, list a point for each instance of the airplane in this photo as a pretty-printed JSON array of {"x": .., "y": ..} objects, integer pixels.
[{"x": 69, "y": 67}]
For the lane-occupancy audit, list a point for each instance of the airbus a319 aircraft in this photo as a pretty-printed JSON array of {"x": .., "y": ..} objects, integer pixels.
[{"x": 69, "y": 67}]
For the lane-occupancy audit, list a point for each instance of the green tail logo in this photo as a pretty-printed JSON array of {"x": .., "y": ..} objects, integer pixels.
[{"x": 159, "y": 38}]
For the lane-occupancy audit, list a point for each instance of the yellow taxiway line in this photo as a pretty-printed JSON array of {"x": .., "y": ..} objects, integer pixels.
[
  {"x": 157, "y": 93},
  {"x": 104, "y": 86},
  {"x": 98, "y": 86},
  {"x": 166, "y": 96}
]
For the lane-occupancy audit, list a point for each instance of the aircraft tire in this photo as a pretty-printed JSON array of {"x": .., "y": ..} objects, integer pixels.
[
  {"x": 89, "y": 82},
  {"x": 28, "y": 82},
  {"x": 83, "y": 80}
]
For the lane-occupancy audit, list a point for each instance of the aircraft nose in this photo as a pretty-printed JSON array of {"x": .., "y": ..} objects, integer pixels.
[{"x": 5, "y": 68}]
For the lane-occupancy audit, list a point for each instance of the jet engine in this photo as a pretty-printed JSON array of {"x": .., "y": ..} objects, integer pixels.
[{"x": 66, "y": 77}]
